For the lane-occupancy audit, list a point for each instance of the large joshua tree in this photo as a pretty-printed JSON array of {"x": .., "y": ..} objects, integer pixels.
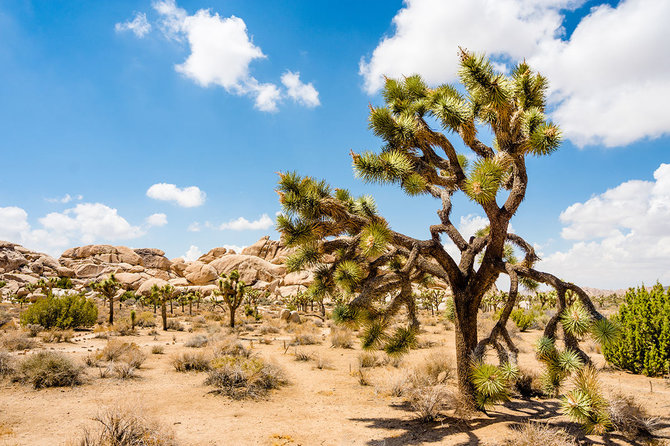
[{"x": 377, "y": 266}]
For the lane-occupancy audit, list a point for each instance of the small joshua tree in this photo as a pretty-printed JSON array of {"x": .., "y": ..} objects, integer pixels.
[
  {"x": 372, "y": 261},
  {"x": 232, "y": 290},
  {"x": 162, "y": 295},
  {"x": 108, "y": 289}
]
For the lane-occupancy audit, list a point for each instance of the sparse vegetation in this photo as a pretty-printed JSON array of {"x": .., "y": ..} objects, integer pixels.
[
  {"x": 48, "y": 369},
  {"x": 341, "y": 338},
  {"x": 238, "y": 377},
  {"x": 17, "y": 340},
  {"x": 538, "y": 434},
  {"x": 117, "y": 427},
  {"x": 190, "y": 361}
]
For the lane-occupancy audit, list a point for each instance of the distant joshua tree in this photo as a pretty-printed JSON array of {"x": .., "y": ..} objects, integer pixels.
[
  {"x": 373, "y": 261},
  {"x": 108, "y": 289},
  {"x": 232, "y": 291}
]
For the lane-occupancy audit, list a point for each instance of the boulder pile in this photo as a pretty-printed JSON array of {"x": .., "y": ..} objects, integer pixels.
[{"x": 260, "y": 265}]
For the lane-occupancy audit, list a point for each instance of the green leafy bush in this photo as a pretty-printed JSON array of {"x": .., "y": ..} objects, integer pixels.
[
  {"x": 69, "y": 311},
  {"x": 523, "y": 319},
  {"x": 643, "y": 344}
]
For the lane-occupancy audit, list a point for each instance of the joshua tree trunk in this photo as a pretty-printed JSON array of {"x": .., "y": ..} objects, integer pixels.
[
  {"x": 164, "y": 315},
  {"x": 190, "y": 308},
  {"x": 466, "y": 341},
  {"x": 155, "y": 307},
  {"x": 171, "y": 308},
  {"x": 232, "y": 316},
  {"x": 111, "y": 310}
]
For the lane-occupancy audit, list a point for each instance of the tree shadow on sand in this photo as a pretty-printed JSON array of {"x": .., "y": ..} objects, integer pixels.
[{"x": 517, "y": 413}]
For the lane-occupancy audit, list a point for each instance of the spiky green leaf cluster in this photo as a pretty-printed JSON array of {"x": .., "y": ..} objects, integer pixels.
[
  {"x": 401, "y": 341},
  {"x": 558, "y": 365},
  {"x": 586, "y": 404},
  {"x": 375, "y": 238},
  {"x": 576, "y": 320},
  {"x": 492, "y": 383}
]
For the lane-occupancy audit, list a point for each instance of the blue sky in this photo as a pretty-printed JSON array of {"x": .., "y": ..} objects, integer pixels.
[{"x": 162, "y": 123}]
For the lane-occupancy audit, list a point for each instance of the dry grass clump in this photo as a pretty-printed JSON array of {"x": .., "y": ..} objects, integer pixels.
[
  {"x": 303, "y": 356},
  {"x": 145, "y": 319},
  {"x": 124, "y": 370},
  {"x": 173, "y": 324},
  {"x": 6, "y": 364},
  {"x": 57, "y": 336},
  {"x": 629, "y": 417},
  {"x": 529, "y": 384},
  {"x": 229, "y": 346},
  {"x": 122, "y": 428},
  {"x": 127, "y": 352},
  {"x": 16, "y": 341},
  {"x": 238, "y": 377},
  {"x": 124, "y": 328},
  {"x": 196, "y": 341},
  {"x": 429, "y": 401},
  {"x": 537, "y": 434},
  {"x": 48, "y": 369},
  {"x": 305, "y": 334},
  {"x": 371, "y": 359},
  {"x": 157, "y": 350},
  {"x": 434, "y": 369},
  {"x": 213, "y": 328},
  {"x": 191, "y": 361},
  {"x": 341, "y": 337},
  {"x": 323, "y": 363},
  {"x": 271, "y": 326}
]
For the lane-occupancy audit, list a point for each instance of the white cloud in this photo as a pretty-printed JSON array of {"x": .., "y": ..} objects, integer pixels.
[
  {"x": 139, "y": 25},
  {"x": 194, "y": 227},
  {"x": 86, "y": 223},
  {"x": 238, "y": 249},
  {"x": 187, "y": 197},
  {"x": 242, "y": 224},
  {"x": 221, "y": 52},
  {"x": 622, "y": 236},
  {"x": 609, "y": 82},
  {"x": 301, "y": 93},
  {"x": 157, "y": 219},
  {"x": 192, "y": 254}
]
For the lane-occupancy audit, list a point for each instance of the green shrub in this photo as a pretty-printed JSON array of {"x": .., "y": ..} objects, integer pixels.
[
  {"x": 523, "y": 319},
  {"x": 643, "y": 344},
  {"x": 48, "y": 369},
  {"x": 61, "y": 312},
  {"x": 239, "y": 377},
  {"x": 2, "y": 283},
  {"x": 64, "y": 283}
]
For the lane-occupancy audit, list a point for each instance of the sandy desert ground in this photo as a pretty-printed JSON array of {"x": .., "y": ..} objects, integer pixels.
[{"x": 319, "y": 406}]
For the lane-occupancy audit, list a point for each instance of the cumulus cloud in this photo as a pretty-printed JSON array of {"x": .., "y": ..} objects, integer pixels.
[
  {"x": 301, "y": 93},
  {"x": 192, "y": 254},
  {"x": 194, "y": 227},
  {"x": 613, "y": 66},
  {"x": 64, "y": 199},
  {"x": 157, "y": 219},
  {"x": 187, "y": 197},
  {"x": 221, "y": 54},
  {"x": 138, "y": 25},
  {"x": 85, "y": 223},
  {"x": 622, "y": 236},
  {"x": 242, "y": 224}
]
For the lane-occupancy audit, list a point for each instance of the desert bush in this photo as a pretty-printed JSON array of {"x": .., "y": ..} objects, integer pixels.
[
  {"x": 173, "y": 324},
  {"x": 301, "y": 355},
  {"x": 270, "y": 327},
  {"x": 435, "y": 369},
  {"x": 322, "y": 363},
  {"x": 157, "y": 350},
  {"x": 196, "y": 341},
  {"x": 230, "y": 346},
  {"x": 190, "y": 361},
  {"x": 34, "y": 329},
  {"x": 238, "y": 377},
  {"x": 370, "y": 359},
  {"x": 145, "y": 319},
  {"x": 17, "y": 340},
  {"x": 5, "y": 316},
  {"x": 57, "y": 335},
  {"x": 129, "y": 353},
  {"x": 6, "y": 364},
  {"x": 429, "y": 401},
  {"x": 528, "y": 384},
  {"x": 124, "y": 370},
  {"x": 535, "y": 434},
  {"x": 124, "y": 328},
  {"x": 70, "y": 311},
  {"x": 629, "y": 417},
  {"x": 643, "y": 344},
  {"x": 48, "y": 369},
  {"x": 522, "y": 319},
  {"x": 123, "y": 428},
  {"x": 341, "y": 338}
]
